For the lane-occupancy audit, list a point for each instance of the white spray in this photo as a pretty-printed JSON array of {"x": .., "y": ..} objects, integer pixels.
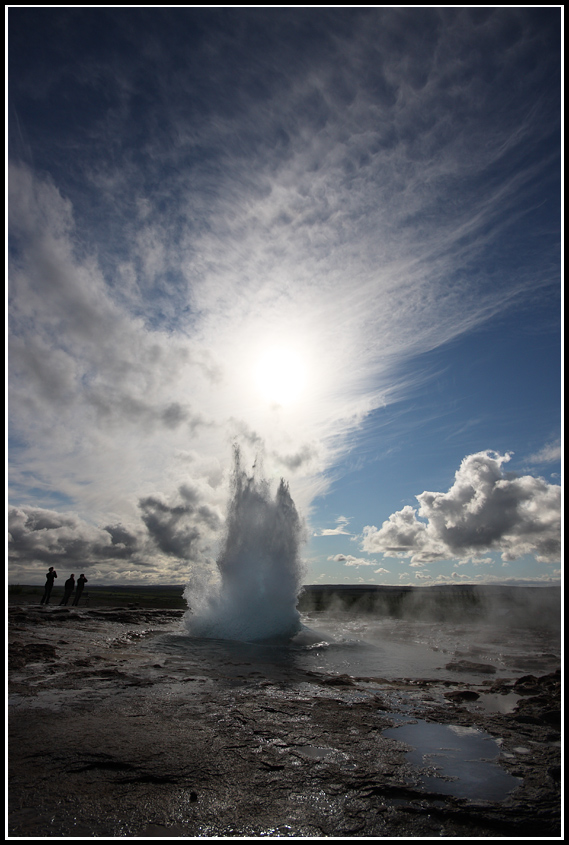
[{"x": 253, "y": 594}]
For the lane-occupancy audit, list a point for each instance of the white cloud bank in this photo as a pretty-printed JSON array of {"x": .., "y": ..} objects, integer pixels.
[{"x": 484, "y": 510}]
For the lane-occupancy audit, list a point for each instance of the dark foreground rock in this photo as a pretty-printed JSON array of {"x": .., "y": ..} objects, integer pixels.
[{"x": 108, "y": 737}]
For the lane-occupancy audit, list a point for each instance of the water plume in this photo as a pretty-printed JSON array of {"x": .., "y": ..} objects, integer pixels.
[{"x": 252, "y": 594}]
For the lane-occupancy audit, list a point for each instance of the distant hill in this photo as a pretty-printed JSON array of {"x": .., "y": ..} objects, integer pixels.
[
  {"x": 500, "y": 604},
  {"x": 495, "y": 603}
]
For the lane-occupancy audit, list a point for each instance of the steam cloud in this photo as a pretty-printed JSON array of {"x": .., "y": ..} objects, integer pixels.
[
  {"x": 252, "y": 592},
  {"x": 484, "y": 510}
]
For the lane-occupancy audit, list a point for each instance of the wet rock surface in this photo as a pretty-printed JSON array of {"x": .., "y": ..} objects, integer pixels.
[
  {"x": 110, "y": 737},
  {"x": 471, "y": 666}
]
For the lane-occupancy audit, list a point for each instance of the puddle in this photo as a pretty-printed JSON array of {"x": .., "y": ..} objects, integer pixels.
[
  {"x": 497, "y": 702},
  {"x": 461, "y": 761},
  {"x": 323, "y": 752},
  {"x": 315, "y": 752}
]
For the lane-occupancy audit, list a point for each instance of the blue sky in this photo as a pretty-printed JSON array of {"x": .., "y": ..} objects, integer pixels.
[{"x": 331, "y": 236}]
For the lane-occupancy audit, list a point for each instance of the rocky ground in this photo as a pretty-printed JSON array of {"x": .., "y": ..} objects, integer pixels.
[{"x": 110, "y": 737}]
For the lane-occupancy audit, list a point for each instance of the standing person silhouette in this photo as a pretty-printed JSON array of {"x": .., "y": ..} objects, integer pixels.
[
  {"x": 81, "y": 581},
  {"x": 68, "y": 588},
  {"x": 50, "y": 578}
]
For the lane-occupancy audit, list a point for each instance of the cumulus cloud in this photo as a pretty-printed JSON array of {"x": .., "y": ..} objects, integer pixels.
[
  {"x": 350, "y": 560},
  {"x": 485, "y": 510},
  {"x": 167, "y": 536},
  {"x": 39, "y": 535}
]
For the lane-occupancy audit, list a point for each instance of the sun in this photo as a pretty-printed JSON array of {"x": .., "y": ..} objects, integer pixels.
[{"x": 280, "y": 375}]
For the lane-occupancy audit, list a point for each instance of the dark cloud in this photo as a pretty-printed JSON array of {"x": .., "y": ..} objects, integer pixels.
[
  {"x": 40, "y": 535},
  {"x": 485, "y": 510},
  {"x": 116, "y": 408},
  {"x": 182, "y": 530},
  {"x": 299, "y": 459},
  {"x": 124, "y": 542}
]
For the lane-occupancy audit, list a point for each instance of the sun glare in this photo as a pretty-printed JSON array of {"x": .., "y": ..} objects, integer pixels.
[{"x": 280, "y": 376}]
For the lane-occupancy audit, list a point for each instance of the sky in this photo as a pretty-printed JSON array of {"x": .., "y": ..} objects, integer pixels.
[{"x": 328, "y": 236}]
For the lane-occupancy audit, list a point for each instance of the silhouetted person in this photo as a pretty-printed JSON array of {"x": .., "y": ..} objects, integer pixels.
[
  {"x": 49, "y": 579},
  {"x": 81, "y": 581},
  {"x": 68, "y": 588}
]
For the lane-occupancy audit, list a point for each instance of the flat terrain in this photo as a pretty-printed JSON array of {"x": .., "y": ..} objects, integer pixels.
[
  {"x": 111, "y": 735},
  {"x": 105, "y": 596}
]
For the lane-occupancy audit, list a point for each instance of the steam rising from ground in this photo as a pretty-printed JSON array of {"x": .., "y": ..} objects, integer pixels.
[
  {"x": 495, "y": 606},
  {"x": 252, "y": 593}
]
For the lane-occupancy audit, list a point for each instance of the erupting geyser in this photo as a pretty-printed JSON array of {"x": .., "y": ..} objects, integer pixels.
[{"x": 254, "y": 592}]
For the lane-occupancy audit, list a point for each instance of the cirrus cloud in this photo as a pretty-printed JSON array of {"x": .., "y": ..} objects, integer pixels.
[{"x": 190, "y": 190}]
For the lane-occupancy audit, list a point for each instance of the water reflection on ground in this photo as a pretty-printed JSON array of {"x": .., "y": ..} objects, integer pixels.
[
  {"x": 450, "y": 760},
  {"x": 386, "y": 648},
  {"x": 455, "y": 760}
]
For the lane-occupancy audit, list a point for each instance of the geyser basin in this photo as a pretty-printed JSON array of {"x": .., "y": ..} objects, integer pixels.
[
  {"x": 253, "y": 593},
  {"x": 460, "y": 761}
]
